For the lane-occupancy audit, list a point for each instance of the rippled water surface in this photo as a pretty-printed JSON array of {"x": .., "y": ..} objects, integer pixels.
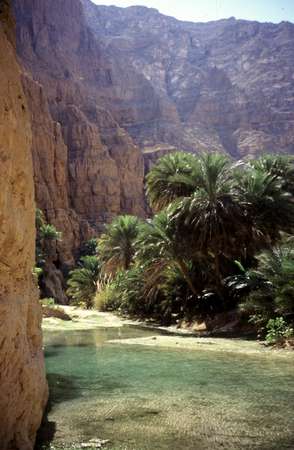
[{"x": 149, "y": 398}]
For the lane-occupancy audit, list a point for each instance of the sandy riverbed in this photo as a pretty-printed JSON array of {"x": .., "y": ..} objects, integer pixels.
[{"x": 169, "y": 337}]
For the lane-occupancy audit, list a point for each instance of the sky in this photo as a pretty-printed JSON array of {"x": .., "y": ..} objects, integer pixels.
[{"x": 205, "y": 10}]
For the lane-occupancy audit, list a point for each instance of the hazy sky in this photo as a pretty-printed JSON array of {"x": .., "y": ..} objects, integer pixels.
[{"x": 204, "y": 10}]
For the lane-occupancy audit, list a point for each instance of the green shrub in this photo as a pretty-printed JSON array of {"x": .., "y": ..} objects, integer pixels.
[
  {"x": 49, "y": 232},
  {"x": 107, "y": 299},
  {"x": 88, "y": 248},
  {"x": 46, "y": 238},
  {"x": 125, "y": 293},
  {"x": 82, "y": 282},
  {"x": 277, "y": 329},
  {"x": 47, "y": 301},
  {"x": 37, "y": 273},
  {"x": 100, "y": 300},
  {"x": 271, "y": 287}
]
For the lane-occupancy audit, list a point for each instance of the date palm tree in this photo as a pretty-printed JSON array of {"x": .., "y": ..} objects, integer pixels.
[
  {"x": 82, "y": 282},
  {"x": 116, "y": 246},
  {"x": 281, "y": 166},
  {"x": 268, "y": 206},
  {"x": 174, "y": 176},
  {"x": 46, "y": 238},
  {"x": 159, "y": 248},
  {"x": 212, "y": 217},
  {"x": 273, "y": 292}
]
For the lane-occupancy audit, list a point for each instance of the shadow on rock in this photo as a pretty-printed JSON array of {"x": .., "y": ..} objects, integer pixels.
[{"x": 61, "y": 388}]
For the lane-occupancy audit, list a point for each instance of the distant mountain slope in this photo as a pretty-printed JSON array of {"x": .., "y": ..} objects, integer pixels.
[{"x": 225, "y": 85}]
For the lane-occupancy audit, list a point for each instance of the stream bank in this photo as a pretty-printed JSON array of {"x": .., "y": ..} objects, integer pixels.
[
  {"x": 139, "y": 389},
  {"x": 158, "y": 336}
]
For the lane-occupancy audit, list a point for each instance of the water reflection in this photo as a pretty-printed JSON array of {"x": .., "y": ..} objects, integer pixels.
[
  {"x": 92, "y": 337},
  {"x": 149, "y": 398}
]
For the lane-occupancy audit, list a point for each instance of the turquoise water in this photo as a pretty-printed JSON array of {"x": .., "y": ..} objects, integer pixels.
[{"x": 147, "y": 398}]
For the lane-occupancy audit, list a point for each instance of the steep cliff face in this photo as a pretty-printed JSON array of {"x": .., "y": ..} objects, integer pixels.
[
  {"x": 106, "y": 85},
  {"x": 87, "y": 168},
  {"x": 23, "y": 389},
  {"x": 225, "y": 85}
]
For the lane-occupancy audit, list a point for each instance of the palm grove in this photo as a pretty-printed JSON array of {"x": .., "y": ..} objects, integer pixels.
[{"x": 219, "y": 240}]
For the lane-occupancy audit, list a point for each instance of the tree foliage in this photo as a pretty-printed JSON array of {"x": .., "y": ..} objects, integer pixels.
[
  {"x": 46, "y": 238},
  {"x": 82, "y": 281},
  {"x": 116, "y": 246},
  {"x": 215, "y": 239}
]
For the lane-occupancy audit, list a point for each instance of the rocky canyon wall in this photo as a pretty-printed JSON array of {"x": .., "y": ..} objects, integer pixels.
[
  {"x": 23, "y": 388},
  {"x": 107, "y": 85},
  {"x": 226, "y": 85},
  {"x": 87, "y": 168}
]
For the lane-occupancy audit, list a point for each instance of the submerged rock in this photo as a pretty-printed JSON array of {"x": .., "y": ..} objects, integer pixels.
[{"x": 94, "y": 443}]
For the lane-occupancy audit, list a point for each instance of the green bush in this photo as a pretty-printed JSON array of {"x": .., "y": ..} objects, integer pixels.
[
  {"x": 46, "y": 238},
  {"x": 88, "y": 248},
  {"x": 49, "y": 232},
  {"x": 277, "y": 329},
  {"x": 37, "y": 273},
  {"x": 47, "y": 301},
  {"x": 82, "y": 282},
  {"x": 271, "y": 287},
  {"x": 125, "y": 292}
]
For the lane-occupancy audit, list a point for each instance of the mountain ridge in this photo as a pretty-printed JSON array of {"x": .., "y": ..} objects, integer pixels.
[{"x": 230, "y": 32}]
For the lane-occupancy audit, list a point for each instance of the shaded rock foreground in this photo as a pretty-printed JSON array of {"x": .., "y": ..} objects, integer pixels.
[{"x": 23, "y": 387}]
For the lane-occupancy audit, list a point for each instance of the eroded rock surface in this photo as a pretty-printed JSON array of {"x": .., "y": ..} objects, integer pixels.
[
  {"x": 87, "y": 168},
  {"x": 106, "y": 85},
  {"x": 23, "y": 388},
  {"x": 226, "y": 85}
]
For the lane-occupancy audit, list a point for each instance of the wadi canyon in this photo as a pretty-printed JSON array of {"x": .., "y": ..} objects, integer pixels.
[
  {"x": 108, "y": 87},
  {"x": 90, "y": 97}
]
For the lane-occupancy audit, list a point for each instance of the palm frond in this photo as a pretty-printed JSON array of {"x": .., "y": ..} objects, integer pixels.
[{"x": 175, "y": 175}]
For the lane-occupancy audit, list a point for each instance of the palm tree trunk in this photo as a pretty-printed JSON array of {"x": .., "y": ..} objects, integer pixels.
[{"x": 185, "y": 272}]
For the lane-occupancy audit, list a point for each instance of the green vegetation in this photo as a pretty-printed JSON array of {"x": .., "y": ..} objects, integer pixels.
[
  {"x": 46, "y": 239},
  {"x": 47, "y": 301},
  {"x": 116, "y": 246},
  {"x": 216, "y": 243},
  {"x": 88, "y": 248},
  {"x": 82, "y": 282},
  {"x": 278, "y": 330},
  {"x": 174, "y": 175},
  {"x": 270, "y": 302}
]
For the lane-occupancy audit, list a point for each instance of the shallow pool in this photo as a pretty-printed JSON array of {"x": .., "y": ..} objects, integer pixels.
[{"x": 149, "y": 398}]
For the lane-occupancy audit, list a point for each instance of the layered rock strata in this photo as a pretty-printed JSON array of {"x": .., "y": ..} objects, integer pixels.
[
  {"x": 226, "y": 85},
  {"x": 87, "y": 168}
]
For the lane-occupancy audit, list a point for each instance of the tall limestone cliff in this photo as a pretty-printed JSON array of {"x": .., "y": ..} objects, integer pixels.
[
  {"x": 87, "y": 168},
  {"x": 226, "y": 85},
  {"x": 23, "y": 388}
]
